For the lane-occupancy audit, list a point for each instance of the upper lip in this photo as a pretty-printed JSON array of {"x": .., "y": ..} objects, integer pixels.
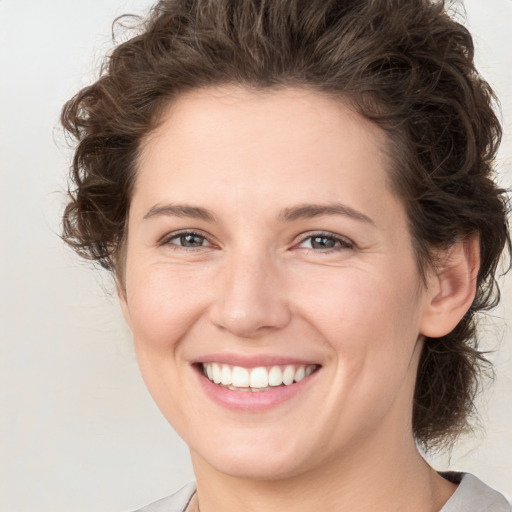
[{"x": 253, "y": 361}]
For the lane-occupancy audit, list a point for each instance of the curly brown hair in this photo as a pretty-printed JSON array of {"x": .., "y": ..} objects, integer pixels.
[{"x": 405, "y": 65}]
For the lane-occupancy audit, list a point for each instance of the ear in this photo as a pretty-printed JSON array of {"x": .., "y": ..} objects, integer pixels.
[{"x": 451, "y": 287}]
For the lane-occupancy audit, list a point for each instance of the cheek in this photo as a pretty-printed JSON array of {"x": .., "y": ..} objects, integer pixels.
[
  {"x": 163, "y": 308},
  {"x": 163, "y": 303},
  {"x": 368, "y": 321}
]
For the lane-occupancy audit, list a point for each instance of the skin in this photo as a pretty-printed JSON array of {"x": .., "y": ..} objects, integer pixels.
[{"x": 257, "y": 284}]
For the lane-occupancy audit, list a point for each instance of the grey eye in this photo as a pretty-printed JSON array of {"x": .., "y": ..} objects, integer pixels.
[
  {"x": 191, "y": 240},
  {"x": 325, "y": 242},
  {"x": 322, "y": 242}
]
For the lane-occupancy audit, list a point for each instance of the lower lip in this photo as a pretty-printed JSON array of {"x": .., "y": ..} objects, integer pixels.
[{"x": 253, "y": 401}]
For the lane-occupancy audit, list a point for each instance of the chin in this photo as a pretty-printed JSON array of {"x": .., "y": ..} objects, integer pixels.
[
  {"x": 261, "y": 468},
  {"x": 254, "y": 462}
]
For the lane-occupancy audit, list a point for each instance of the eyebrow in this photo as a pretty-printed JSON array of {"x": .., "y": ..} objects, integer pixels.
[
  {"x": 180, "y": 210},
  {"x": 309, "y": 211},
  {"x": 299, "y": 212}
]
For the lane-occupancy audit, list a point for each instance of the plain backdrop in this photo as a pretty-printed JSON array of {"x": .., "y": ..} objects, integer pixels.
[{"x": 78, "y": 430}]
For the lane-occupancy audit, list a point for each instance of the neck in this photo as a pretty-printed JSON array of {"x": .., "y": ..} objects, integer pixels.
[{"x": 397, "y": 478}]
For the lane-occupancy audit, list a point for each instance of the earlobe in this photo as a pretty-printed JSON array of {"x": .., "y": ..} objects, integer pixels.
[{"x": 451, "y": 287}]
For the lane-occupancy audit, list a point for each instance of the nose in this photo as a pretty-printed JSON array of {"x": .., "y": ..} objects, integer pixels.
[{"x": 251, "y": 298}]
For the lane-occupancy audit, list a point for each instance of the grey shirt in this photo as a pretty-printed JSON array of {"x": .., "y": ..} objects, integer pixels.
[{"x": 472, "y": 495}]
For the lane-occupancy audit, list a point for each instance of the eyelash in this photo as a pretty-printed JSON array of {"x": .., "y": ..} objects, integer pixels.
[
  {"x": 167, "y": 240},
  {"x": 343, "y": 243}
]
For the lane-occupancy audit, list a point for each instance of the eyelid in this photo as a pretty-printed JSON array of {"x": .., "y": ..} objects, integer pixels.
[
  {"x": 166, "y": 239},
  {"x": 345, "y": 243}
]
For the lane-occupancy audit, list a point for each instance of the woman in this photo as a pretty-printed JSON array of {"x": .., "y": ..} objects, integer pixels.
[{"x": 295, "y": 199}]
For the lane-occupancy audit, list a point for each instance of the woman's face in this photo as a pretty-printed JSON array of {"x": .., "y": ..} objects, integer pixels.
[{"x": 264, "y": 245}]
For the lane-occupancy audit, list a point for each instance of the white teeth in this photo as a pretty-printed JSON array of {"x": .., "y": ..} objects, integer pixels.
[
  {"x": 256, "y": 379},
  {"x": 240, "y": 377},
  {"x": 226, "y": 378},
  {"x": 217, "y": 376},
  {"x": 288, "y": 375},
  {"x": 259, "y": 378},
  {"x": 300, "y": 374},
  {"x": 275, "y": 376}
]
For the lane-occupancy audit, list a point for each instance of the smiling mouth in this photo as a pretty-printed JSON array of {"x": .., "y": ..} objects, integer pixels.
[{"x": 261, "y": 378}]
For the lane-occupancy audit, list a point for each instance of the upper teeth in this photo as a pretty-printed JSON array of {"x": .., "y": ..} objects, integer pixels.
[{"x": 256, "y": 378}]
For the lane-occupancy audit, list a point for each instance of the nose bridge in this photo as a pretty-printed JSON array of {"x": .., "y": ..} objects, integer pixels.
[{"x": 251, "y": 298}]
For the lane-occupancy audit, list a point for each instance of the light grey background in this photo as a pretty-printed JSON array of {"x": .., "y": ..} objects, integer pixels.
[{"x": 78, "y": 430}]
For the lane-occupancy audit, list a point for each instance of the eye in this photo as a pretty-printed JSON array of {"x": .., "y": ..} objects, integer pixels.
[
  {"x": 325, "y": 242},
  {"x": 186, "y": 239}
]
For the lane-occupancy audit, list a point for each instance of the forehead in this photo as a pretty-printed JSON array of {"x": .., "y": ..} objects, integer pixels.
[
  {"x": 210, "y": 116},
  {"x": 256, "y": 139}
]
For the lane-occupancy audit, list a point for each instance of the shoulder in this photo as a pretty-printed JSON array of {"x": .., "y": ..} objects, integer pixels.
[
  {"x": 472, "y": 495},
  {"x": 176, "y": 502}
]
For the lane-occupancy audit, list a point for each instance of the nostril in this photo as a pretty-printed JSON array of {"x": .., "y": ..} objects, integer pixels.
[{"x": 252, "y": 321}]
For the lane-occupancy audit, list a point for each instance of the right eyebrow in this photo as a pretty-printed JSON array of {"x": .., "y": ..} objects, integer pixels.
[
  {"x": 309, "y": 211},
  {"x": 180, "y": 210}
]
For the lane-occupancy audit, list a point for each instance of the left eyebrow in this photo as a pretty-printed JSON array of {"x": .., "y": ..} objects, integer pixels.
[
  {"x": 309, "y": 211},
  {"x": 180, "y": 210}
]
